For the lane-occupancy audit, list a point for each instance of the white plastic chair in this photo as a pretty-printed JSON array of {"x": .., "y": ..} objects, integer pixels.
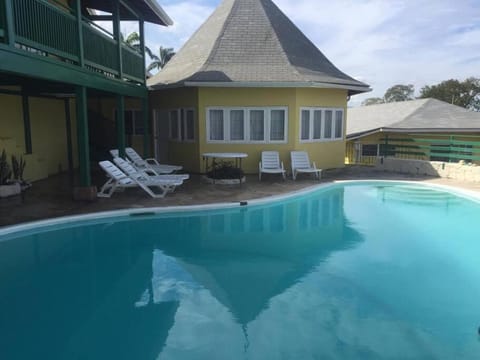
[
  {"x": 270, "y": 164},
  {"x": 119, "y": 181},
  {"x": 128, "y": 169},
  {"x": 146, "y": 164},
  {"x": 301, "y": 164}
]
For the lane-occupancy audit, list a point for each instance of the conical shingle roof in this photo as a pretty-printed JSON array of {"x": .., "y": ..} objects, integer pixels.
[{"x": 252, "y": 43}]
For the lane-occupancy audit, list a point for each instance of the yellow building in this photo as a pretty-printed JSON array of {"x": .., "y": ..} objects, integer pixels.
[
  {"x": 423, "y": 129},
  {"x": 248, "y": 80},
  {"x": 59, "y": 72}
]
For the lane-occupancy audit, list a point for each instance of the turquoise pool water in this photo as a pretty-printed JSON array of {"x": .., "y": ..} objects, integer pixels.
[{"x": 354, "y": 271}]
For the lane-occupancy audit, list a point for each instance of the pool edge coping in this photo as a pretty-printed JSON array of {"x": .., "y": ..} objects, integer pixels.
[{"x": 11, "y": 229}]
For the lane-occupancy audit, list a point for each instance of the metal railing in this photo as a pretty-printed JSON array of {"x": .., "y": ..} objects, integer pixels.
[
  {"x": 52, "y": 30},
  {"x": 447, "y": 148}
]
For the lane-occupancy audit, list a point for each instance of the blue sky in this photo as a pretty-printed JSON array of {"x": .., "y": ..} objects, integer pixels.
[{"x": 380, "y": 42}]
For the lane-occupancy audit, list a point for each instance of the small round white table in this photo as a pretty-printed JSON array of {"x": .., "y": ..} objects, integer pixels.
[{"x": 222, "y": 155}]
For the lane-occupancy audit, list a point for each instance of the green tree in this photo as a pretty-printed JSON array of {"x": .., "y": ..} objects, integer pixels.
[
  {"x": 399, "y": 93},
  {"x": 462, "y": 93},
  {"x": 160, "y": 60},
  {"x": 372, "y": 101}
]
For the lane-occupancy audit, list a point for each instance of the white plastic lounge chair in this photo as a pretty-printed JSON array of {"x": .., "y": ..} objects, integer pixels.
[
  {"x": 301, "y": 164},
  {"x": 128, "y": 169},
  {"x": 119, "y": 181},
  {"x": 270, "y": 164},
  {"x": 149, "y": 163}
]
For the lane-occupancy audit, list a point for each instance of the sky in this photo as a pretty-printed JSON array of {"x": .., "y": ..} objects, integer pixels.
[{"x": 380, "y": 42}]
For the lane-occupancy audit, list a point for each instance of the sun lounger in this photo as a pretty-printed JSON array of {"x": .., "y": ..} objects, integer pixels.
[
  {"x": 270, "y": 164},
  {"x": 146, "y": 164},
  {"x": 301, "y": 164},
  {"x": 119, "y": 181}
]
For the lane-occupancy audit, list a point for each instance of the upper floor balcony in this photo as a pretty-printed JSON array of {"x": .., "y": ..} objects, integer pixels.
[{"x": 68, "y": 31}]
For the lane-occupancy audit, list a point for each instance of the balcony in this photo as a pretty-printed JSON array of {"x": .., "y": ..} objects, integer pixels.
[{"x": 52, "y": 30}]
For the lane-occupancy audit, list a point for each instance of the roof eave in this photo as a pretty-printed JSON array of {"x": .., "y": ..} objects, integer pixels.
[
  {"x": 361, "y": 134},
  {"x": 157, "y": 9},
  {"x": 352, "y": 89}
]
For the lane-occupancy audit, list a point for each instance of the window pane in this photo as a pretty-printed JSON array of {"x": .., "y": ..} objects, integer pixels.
[
  {"x": 237, "y": 131},
  {"x": 277, "y": 125},
  {"x": 338, "y": 124},
  {"x": 174, "y": 124},
  {"x": 305, "y": 130},
  {"x": 369, "y": 150},
  {"x": 128, "y": 122},
  {"x": 216, "y": 125},
  {"x": 317, "y": 124},
  {"x": 257, "y": 125},
  {"x": 327, "y": 131},
  {"x": 190, "y": 125}
]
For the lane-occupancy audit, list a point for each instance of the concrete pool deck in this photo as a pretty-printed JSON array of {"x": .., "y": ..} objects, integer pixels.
[{"x": 52, "y": 197}]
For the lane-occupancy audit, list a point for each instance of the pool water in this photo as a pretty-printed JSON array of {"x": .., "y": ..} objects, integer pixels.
[{"x": 355, "y": 271}]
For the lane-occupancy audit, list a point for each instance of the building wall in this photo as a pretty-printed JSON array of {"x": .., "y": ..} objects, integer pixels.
[
  {"x": 352, "y": 157},
  {"x": 48, "y": 132},
  {"x": 186, "y": 154},
  {"x": 325, "y": 154}
]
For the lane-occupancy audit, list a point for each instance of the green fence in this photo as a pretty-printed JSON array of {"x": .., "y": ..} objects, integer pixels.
[
  {"x": 445, "y": 148},
  {"x": 52, "y": 30}
]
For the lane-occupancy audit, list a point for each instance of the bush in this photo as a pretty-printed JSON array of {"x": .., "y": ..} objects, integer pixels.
[{"x": 225, "y": 170}]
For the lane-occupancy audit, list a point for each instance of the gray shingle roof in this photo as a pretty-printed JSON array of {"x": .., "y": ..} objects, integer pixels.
[
  {"x": 415, "y": 115},
  {"x": 252, "y": 43}
]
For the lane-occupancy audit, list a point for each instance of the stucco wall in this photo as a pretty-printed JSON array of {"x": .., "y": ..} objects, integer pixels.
[{"x": 48, "y": 131}]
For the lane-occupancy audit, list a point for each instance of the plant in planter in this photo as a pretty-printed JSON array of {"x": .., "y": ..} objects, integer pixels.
[
  {"x": 225, "y": 170},
  {"x": 8, "y": 187},
  {"x": 18, "y": 167}
]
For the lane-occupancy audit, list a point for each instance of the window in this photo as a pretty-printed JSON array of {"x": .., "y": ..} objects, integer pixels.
[
  {"x": 133, "y": 122},
  {"x": 369, "y": 150},
  {"x": 182, "y": 124},
  {"x": 247, "y": 125},
  {"x": 321, "y": 124}
]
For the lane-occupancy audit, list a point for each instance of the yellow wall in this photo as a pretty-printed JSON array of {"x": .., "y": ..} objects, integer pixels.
[
  {"x": 48, "y": 132},
  {"x": 179, "y": 153},
  {"x": 325, "y": 154}
]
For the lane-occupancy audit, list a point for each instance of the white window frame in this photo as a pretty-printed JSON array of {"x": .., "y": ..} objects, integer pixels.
[
  {"x": 322, "y": 126},
  {"x": 181, "y": 125},
  {"x": 246, "y": 123}
]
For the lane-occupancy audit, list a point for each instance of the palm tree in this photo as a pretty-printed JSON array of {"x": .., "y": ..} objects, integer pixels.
[{"x": 160, "y": 60}]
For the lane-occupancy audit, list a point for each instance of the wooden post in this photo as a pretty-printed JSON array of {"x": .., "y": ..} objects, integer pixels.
[
  {"x": 78, "y": 13},
  {"x": 146, "y": 127},
  {"x": 82, "y": 135},
  {"x": 9, "y": 16},
  {"x": 27, "y": 129},
  {"x": 118, "y": 37},
  {"x": 68, "y": 130},
  {"x": 121, "y": 125}
]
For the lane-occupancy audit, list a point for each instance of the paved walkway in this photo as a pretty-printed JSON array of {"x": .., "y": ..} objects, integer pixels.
[{"x": 52, "y": 197}]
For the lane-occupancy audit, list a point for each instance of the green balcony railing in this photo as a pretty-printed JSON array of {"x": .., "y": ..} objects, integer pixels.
[
  {"x": 52, "y": 30},
  {"x": 3, "y": 22}
]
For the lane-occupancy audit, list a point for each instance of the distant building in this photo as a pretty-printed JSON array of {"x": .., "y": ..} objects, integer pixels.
[{"x": 426, "y": 129}]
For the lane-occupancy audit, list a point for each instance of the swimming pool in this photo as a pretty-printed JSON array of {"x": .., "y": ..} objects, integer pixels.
[{"x": 370, "y": 270}]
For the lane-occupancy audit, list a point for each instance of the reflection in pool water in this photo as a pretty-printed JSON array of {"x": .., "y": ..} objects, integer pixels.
[{"x": 366, "y": 271}]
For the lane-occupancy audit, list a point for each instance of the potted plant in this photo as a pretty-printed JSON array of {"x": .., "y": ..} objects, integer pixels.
[
  {"x": 18, "y": 167},
  {"x": 8, "y": 187}
]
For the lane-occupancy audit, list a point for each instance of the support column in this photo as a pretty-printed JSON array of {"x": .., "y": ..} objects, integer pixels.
[
  {"x": 121, "y": 125},
  {"x": 10, "y": 22},
  {"x": 78, "y": 13},
  {"x": 117, "y": 35},
  {"x": 82, "y": 137},
  {"x": 141, "y": 25},
  {"x": 68, "y": 130},
  {"x": 146, "y": 127},
  {"x": 27, "y": 129}
]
